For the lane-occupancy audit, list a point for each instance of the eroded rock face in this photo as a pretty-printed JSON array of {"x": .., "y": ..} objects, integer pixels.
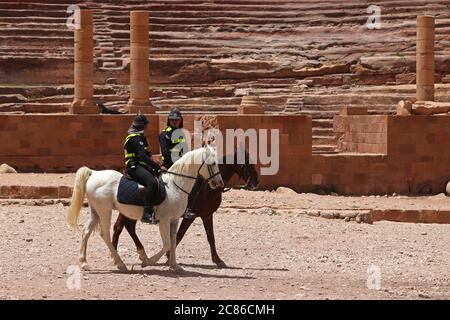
[
  {"x": 404, "y": 108},
  {"x": 201, "y": 59},
  {"x": 251, "y": 105},
  {"x": 282, "y": 39},
  {"x": 430, "y": 107}
]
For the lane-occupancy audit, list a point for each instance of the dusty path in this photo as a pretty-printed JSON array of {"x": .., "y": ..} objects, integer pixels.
[
  {"x": 245, "y": 199},
  {"x": 277, "y": 254}
]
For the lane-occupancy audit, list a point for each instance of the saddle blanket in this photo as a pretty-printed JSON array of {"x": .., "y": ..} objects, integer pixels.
[{"x": 130, "y": 193}]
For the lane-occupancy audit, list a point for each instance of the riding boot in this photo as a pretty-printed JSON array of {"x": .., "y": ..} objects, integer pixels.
[
  {"x": 149, "y": 215},
  {"x": 189, "y": 214}
]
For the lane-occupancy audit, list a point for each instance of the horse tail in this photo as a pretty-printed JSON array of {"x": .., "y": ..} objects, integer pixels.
[{"x": 76, "y": 202}]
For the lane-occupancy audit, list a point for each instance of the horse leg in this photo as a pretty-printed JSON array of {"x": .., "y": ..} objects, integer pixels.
[
  {"x": 130, "y": 225},
  {"x": 105, "y": 224},
  {"x": 173, "y": 245},
  {"x": 208, "y": 224},
  {"x": 87, "y": 230},
  {"x": 164, "y": 230},
  {"x": 118, "y": 228},
  {"x": 184, "y": 226}
]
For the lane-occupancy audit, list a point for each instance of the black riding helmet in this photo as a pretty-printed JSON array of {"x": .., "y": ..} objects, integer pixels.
[
  {"x": 139, "y": 122},
  {"x": 175, "y": 114}
]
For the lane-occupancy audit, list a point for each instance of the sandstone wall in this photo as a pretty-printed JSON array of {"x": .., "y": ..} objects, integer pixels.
[
  {"x": 407, "y": 155},
  {"x": 299, "y": 57},
  {"x": 64, "y": 143},
  {"x": 414, "y": 156},
  {"x": 361, "y": 134},
  {"x": 294, "y": 146}
]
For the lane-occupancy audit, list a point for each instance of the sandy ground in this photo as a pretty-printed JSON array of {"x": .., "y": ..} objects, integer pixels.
[
  {"x": 38, "y": 179},
  {"x": 271, "y": 254},
  {"x": 283, "y": 201}
]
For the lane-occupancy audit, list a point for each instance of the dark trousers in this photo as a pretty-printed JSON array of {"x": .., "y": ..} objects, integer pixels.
[{"x": 145, "y": 178}]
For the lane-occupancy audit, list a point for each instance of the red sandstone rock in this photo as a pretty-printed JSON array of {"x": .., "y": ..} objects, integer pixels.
[
  {"x": 430, "y": 107},
  {"x": 352, "y": 111},
  {"x": 196, "y": 45},
  {"x": 404, "y": 108},
  {"x": 251, "y": 105}
]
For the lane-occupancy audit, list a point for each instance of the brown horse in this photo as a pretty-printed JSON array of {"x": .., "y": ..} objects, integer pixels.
[{"x": 205, "y": 202}]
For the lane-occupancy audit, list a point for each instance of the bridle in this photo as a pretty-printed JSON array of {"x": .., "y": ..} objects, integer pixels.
[{"x": 210, "y": 171}]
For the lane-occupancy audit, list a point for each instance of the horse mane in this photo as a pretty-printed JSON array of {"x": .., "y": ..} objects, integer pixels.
[{"x": 184, "y": 165}]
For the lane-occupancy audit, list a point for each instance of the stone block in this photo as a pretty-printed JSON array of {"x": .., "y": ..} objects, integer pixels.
[{"x": 352, "y": 111}]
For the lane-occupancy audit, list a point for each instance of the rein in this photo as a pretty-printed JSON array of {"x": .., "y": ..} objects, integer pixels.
[
  {"x": 180, "y": 175},
  {"x": 210, "y": 171}
]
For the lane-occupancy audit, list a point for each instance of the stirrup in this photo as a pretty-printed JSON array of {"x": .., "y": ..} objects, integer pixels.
[
  {"x": 188, "y": 214},
  {"x": 149, "y": 218}
]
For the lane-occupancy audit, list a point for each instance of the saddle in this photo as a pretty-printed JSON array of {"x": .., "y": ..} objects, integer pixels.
[{"x": 130, "y": 192}]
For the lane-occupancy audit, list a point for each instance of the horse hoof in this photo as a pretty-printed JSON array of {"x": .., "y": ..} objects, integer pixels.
[
  {"x": 122, "y": 267},
  {"x": 142, "y": 255},
  {"x": 176, "y": 269},
  {"x": 221, "y": 264},
  {"x": 85, "y": 267},
  {"x": 148, "y": 262}
]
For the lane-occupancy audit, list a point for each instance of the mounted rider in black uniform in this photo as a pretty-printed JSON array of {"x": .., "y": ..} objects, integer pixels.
[
  {"x": 173, "y": 146},
  {"x": 140, "y": 166}
]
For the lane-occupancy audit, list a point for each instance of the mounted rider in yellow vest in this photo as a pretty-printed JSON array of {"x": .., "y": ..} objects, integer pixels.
[
  {"x": 173, "y": 145},
  {"x": 140, "y": 166}
]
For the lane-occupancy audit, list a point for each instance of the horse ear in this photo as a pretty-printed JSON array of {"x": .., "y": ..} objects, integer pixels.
[
  {"x": 210, "y": 154},
  {"x": 212, "y": 147},
  {"x": 208, "y": 137},
  {"x": 208, "y": 148},
  {"x": 211, "y": 139}
]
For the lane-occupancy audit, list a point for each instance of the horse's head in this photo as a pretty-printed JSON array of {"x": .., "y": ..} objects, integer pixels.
[
  {"x": 246, "y": 171},
  {"x": 209, "y": 169}
]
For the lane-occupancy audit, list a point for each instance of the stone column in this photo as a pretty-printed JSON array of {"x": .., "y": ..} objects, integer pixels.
[
  {"x": 84, "y": 64},
  {"x": 139, "y": 64},
  {"x": 425, "y": 59},
  {"x": 251, "y": 105}
]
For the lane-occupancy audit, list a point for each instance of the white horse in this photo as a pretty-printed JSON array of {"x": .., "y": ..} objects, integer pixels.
[{"x": 101, "y": 189}]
